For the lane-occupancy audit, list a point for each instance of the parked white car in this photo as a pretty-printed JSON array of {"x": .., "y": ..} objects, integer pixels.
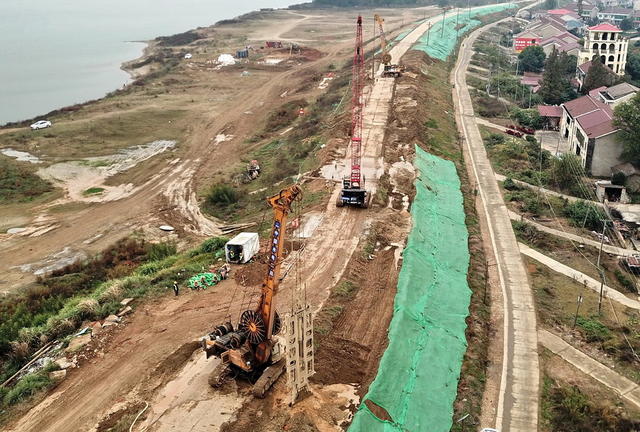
[
  {"x": 188, "y": 56},
  {"x": 42, "y": 124}
]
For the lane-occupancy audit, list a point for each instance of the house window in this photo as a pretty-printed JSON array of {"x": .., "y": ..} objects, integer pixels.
[
  {"x": 603, "y": 47},
  {"x": 595, "y": 46},
  {"x": 580, "y": 137},
  {"x": 604, "y": 36},
  {"x": 612, "y": 58},
  {"x": 612, "y": 47}
]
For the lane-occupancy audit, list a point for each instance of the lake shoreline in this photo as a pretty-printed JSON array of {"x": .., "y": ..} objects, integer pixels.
[{"x": 136, "y": 73}]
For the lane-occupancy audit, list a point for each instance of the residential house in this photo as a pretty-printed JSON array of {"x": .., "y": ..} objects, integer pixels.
[
  {"x": 563, "y": 42},
  {"x": 617, "y": 94},
  {"x": 587, "y": 126},
  {"x": 615, "y": 15},
  {"x": 549, "y": 32},
  {"x": 531, "y": 80},
  {"x": 551, "y": 116},
  {"x": 524, "y": 40},
  {"x": 589, "y": 10},
  {"x": 606, "y": 41}
]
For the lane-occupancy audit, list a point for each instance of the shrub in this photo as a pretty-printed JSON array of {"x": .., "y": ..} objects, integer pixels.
[
  {"x": 345, "y": 288},
  {"x": 222, "y": 195},
  {"x": 625, "y": 281},
  {"x": 494, "y": 139},
  {"x": 594, "y": 330},
  {"x": 111, "y": 293},
  {"x": 159, "y": 251},
  {"x": 87, "y": 309},
  {"x": 510, "y": 185},
  {"x": 213, "y": 244},
  {"x": 27, "y": 386},
  {"x": 584, "y": 214},
  {"x": 619, "y": 179},
  {"x": 431, "y": 123},
  {"x": 525, "y": 231},
  {"x": 528, "y": 117}
]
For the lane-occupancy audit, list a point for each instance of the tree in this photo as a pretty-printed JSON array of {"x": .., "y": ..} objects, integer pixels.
[
  {"x": 532, "y": 58},
  {"x": 633, "y": 65},
  {"x": 597, "y": 76},
  {"x": 626, "y": 116},
  {"x": 627, "y": 24},
  {"x": 555, "y": 87},
  {"x": 569, "y": 63}
]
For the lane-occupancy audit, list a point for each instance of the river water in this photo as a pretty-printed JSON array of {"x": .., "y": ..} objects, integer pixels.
[{"x": 55, "y": 53}]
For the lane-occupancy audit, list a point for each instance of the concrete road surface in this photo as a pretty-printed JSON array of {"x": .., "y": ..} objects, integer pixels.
[{"x": 518, "y": 402}]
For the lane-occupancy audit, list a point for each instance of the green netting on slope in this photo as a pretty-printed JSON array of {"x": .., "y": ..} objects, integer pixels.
[
  {"x": 442, "y": 44},
  {"x": 418, "y": 374}
]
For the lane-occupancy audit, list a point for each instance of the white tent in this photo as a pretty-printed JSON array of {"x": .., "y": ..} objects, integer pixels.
[{"x": 226, "y": 60}]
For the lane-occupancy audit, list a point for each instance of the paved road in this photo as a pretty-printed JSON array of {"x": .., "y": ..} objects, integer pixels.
[
  {"x": 621, "y": 385},
  {"x": 580, "y": 277},
  {"x": 573, "y": 237},
  {"x": 519, "y": 388}
]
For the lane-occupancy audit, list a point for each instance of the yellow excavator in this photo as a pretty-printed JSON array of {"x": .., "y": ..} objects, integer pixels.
[
  {"x": 389, "y": 69},
  {"x": 253, "y": 348}
]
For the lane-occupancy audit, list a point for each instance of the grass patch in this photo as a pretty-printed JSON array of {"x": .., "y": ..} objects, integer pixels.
[
  {"x": 93, "y": 191},
  {"x": 101, "y": 136},
  {"x": 345, "y": 288},
  {"x": 19, "y": 183},
  {"x": 567, "y": 408}
]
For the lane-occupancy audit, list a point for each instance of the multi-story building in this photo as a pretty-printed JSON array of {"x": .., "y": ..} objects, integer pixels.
[
  {"x": 587, "y": 126},
  {"x": 616, "y": 15},
  {"x": 606, "y": 42}
]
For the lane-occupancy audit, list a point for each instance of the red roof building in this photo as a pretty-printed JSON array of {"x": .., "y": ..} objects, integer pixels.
[
  {"x": 587, "y": 125},
  {"x": 605, "y": 27}
]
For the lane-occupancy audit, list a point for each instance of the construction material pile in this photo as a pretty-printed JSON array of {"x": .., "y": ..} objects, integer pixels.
[{"x": 203, "y": 280}]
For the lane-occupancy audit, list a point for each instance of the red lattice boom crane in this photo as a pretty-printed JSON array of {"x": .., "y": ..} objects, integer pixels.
[{"x": 353, "y": 191}]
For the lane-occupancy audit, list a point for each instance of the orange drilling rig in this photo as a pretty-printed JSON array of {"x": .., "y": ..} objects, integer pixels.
[
  {"x": 388, "y": 69},
  {"x": 253, "y": 349}
]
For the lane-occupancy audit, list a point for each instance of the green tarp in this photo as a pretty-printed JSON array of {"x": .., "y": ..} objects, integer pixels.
[
  {"x": 418, "y": 374},
  {"x": 203, "y": 280},
  {"x": 441, "y": 44}
]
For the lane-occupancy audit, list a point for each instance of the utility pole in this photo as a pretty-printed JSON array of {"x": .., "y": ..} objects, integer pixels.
[
  {"x": 428, "y": 33},
  {"x": 600, "y": 271}
]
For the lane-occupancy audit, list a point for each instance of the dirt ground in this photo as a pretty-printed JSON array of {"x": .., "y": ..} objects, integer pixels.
[
  {"x": 164, "y": 189},
  {"x": 152, "y": 359}
]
